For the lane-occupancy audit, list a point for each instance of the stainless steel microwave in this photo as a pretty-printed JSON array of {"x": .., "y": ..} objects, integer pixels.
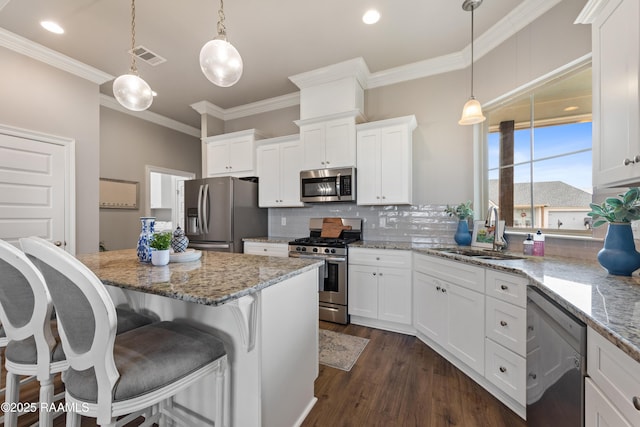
[{"x": 328, "y": 185}]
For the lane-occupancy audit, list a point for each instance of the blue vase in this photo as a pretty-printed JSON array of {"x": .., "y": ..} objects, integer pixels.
[
  {"x": 619, "y": 255},
  {"x": 143, "y": 249},
  {"x": 462, "y": 236}
]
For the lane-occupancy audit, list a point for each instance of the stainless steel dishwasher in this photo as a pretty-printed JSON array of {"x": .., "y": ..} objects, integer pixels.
[{"x": 556, "y": 363}]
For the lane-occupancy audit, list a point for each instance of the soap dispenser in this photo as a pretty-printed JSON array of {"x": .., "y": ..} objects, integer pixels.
[
  {"x": 538, "y": 244},
  {"x": 527, "y": 245}
]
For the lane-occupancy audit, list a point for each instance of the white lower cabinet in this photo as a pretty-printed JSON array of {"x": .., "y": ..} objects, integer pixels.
[
  {"x": 476, "y": 318},
  {"x": 448, "y": 314},
  {"x": 380, "y": 288},
  {"x": 612, "y": 391},
  {"x": 267, "y": 249}
]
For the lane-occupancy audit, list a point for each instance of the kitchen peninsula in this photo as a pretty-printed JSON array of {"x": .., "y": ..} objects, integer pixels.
[{"x": 265, "y": 309}]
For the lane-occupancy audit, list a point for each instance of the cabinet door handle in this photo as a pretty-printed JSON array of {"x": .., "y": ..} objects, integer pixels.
[
  {"x": 503, "y": 369},
  {"x": 374, "y": 274},
  {"x": 379, "y": 274},
  {"x": 636, "y": 402},
  {"x": 438, "y": 288},
  {"x": 629, "y": 161},
  {"x": 444, "y": 291},
  {"x": 503, "y": 323},
  {"x": 504, "y": 287},
  {"x": 532, "y": 375}
]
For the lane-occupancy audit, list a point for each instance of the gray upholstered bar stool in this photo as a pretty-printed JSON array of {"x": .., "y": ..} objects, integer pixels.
[
  {"x": 110, "y": 376},
  {"x": 25, "y": 312},
  {"x": 32, "y": 343}
]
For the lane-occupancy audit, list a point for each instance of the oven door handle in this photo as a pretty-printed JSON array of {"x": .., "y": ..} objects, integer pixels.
[{"x": 318, "y": 257}]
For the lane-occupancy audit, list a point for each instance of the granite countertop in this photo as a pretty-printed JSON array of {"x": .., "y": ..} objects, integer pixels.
[
  {"x": 608, "y": 304},
  {"x": 214, "y": 279}
]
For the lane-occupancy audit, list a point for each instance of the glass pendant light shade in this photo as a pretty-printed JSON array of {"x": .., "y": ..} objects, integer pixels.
[
  {"x": 132, "y": 92},
  {"x": 472, "y": 113},
  {"x": 220, "y": 62}
]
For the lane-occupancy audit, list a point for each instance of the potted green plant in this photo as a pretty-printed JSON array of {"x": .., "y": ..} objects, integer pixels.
[
  {"x": 619, "y": 255},
  {"x": 160, "y": 243},
  {"x": 463, "y": 212}
]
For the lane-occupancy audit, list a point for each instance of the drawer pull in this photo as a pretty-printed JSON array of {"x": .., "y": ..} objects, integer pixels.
[
  {"x": 636, "y": 402},
  {"x": 504, "y": 287},
  {"x": 503, "y": 323},
  {"x": 532, "y": 376},
  {"x": 503, "y": 369},
  {"x": 444, "y": 291},
  {"x": 438, "y": 288}
]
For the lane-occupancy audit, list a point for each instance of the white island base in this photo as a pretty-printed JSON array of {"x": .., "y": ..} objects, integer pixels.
[{"x": 271, "y": 339}]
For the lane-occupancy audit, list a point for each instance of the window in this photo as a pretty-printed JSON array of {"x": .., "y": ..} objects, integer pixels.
[{"x": 539, "y": 156}]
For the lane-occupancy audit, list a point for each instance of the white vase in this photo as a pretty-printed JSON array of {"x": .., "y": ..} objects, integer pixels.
[{"x": 160, "y": 257}]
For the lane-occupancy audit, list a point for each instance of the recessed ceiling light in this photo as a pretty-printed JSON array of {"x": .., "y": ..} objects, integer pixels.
[
  {"x": 52, "y": 27},
  {"x": 572, "y": 108},
  {"x": 371, "y": 16}
]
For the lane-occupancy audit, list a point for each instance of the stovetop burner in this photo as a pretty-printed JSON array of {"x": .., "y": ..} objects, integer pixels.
[
  {"x": 316, "y": 244},
  {"x": 324, "y": 241}
]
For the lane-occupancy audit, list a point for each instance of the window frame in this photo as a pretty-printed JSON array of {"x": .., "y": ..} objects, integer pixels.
[{"x": 481, "y": 133}]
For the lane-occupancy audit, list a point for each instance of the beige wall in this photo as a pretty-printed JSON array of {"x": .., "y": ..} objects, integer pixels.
[
  {"x": 41, "y": 98},
  {"x": 127, "y": 145}
]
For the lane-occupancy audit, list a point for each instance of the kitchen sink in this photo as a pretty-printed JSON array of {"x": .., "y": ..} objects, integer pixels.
[{"x": 478, "y": 253}]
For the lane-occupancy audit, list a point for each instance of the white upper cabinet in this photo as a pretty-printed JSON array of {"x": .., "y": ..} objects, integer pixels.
[
  {"x": 279, "y": 165},
  {"x": 329, "y": 143},
  {"x": 230, "y": 154},
  {"x": 616, "y": 113},
  {"x": 384, "y": 152}
]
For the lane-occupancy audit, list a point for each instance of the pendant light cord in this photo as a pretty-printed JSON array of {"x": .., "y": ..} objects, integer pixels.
[
  {"x": 472, "y": 9},
  {"x": 222, "y": 30},
  {"x": 134, "y": 69}
]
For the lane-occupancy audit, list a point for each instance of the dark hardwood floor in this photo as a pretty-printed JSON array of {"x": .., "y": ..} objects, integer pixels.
[{"x": 397, "y": 381}]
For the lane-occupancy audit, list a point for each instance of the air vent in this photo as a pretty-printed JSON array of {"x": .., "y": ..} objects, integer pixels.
[{"x": 147, "y": 56}]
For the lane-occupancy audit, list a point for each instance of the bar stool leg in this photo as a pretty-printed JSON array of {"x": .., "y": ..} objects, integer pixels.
[
  {"x": 12, "y": 392},
  {"x": 73, "y": 419},
  {"x": 46, "y": 398}
]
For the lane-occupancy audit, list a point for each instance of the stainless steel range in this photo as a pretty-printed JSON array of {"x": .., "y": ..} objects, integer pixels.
[{"x": 329, "y": 239}]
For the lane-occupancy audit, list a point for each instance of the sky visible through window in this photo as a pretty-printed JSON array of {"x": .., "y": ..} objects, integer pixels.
[{"x": 549, "y": 141}]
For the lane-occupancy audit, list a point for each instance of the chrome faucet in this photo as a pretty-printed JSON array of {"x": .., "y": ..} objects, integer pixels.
[{"x": 498, "y": 241}]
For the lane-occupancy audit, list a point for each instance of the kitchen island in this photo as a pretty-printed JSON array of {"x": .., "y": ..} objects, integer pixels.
[{"x": 265, "y": 309}]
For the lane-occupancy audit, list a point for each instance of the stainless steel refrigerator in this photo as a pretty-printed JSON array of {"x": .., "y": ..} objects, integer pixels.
[{"x": 220, "y": 212}]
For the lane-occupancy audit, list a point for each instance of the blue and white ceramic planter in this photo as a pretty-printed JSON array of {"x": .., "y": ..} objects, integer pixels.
[{"x": 143, "y": 249}]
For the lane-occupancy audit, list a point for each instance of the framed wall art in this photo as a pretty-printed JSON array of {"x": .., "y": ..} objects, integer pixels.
[{"x": 118, "y": 194}]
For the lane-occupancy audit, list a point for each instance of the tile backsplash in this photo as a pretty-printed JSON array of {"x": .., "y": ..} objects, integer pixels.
[{"x": 418, "y": 224}]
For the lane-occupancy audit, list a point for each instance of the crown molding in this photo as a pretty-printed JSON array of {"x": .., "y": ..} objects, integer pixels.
[
  {"x": 264, "y": 106},
  {"x": 416, "y": 70},
  {"x": 591, "y": 11},
  {"x": 111, "y": 103},
  {"x": 40, "y": 53},
  {"x": 355, "y": 67},
  {"x": 208, "y": 108}
]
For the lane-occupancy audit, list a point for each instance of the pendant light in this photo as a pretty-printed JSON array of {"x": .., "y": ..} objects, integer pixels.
[
  {"x": 472, "y": 111},
  {"x": 129, "y": 89},
  {"x": 219, "y": 60}
]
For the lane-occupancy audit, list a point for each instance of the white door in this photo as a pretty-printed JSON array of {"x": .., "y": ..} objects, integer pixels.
[{"x": 34, "y": 199}]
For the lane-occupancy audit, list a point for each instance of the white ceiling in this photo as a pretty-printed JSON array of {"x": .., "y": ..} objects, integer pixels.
[{"x": 276, "y": 38}]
